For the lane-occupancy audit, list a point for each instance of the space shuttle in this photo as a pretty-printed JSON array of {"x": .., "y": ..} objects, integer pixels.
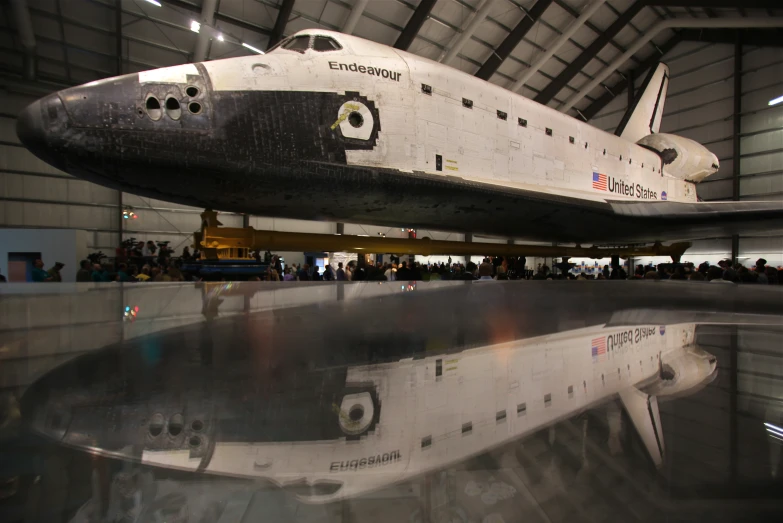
[
  {"x": 380, "y": 424},
  {"x": 328, "y": 126},
  {"x": 374, "y": 391}
]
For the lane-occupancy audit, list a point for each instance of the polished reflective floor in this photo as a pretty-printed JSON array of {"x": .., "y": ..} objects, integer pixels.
[{"x": 443, "y": 402}]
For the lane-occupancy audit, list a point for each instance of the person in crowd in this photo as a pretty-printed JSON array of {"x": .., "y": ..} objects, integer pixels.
[
  {"x": 288, "y": 276},
  {"x": 349, "y": 270},
  {"x": 149, "y": 249},
  {"x": 502, "y": 273},
  {"x": 120, "y": 254},
  {"x": 254, "y": 278},
  {"x": 485, "y": 270},
  {"x": 715, "y": 274},
  {"x": 416, "y": 272},
  {"x": 391, "y": 272},
  {"x": 175, "y": 274},
  {"x": 316, "y": 273},
  {"x": 83, "y": 274},
  {"x": 328, "y": 273},
  {"x": 358, "y": 273},
  {"x": 97, "y": 273},
  {"x": 652, "y": 275},
  {"x": 186, "y": 253},
  {"x": 122, "y": 274},
  {"x": 271, "y": 274},
  {"x": 277, "y": 263},
  {"x": 144, "y": 275},
  {"x": 54, "y": 272},
  {"x": 469, "y": 272},
  {"x": 304, "y": 273},
  {"x": 340, "y": 272},
  {"x": 268, "y": 257},
  {"x": 541, "y": 272},
  {"x": 403, "y": 273},
  {"x": 761, "y": 270},
  {"x": 679, "y": 274},
  {"x": 696, "y": 276},
  {"x": 772, "y": 275}
]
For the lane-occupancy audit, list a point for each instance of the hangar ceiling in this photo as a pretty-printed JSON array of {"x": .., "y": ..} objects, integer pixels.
[{"x": 508, "y": 42}]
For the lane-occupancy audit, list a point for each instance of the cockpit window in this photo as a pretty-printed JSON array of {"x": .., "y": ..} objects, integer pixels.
[
  {"x": 298, "y": 44},
  {"x": 326, "y": 43}
]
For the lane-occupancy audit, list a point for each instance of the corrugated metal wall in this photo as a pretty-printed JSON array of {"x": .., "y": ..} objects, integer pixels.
[
  {"x": 700, "y": 106},
  {"x": 35, "y": 195}
]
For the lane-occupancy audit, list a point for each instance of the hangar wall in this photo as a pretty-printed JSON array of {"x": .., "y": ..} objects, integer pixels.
[{"x": 700, "y": 106}]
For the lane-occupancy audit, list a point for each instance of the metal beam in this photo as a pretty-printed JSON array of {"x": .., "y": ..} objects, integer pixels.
[
  {"x": 733, "y": 23},
  {"x": 58, "y": 6},
  {"x": 583, "y": 17},
  {"x": 353, "y": 18},
  {"x": 622, "y": 85},
  {"x": 207, "y": 21},
  {"x": 220, "y": 17},
  {"x": 512, "y": 40},
  {"x": 283, "y": 14},
  {"x": 756, "y": 37},
  {"x": 573, "y": 12},
  {"x": 554, "y": 87},
  {"x": 461, "y": 39},
  {"x": 414, "y": 24},
  {"x": 26, "y": 36},
  {"x": 717, "y": 4},
  {"x": 737, "y": 118},
  {"x": 118, "y": 35}
]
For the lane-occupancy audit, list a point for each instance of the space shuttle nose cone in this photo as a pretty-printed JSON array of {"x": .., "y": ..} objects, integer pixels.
[
  {"x": 30, "y": 127},
  {"x": 38, "y": 127}
]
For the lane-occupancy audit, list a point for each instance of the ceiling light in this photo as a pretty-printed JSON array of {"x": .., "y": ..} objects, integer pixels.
[
  {"x": 220, "y": 37},
  {"x": 154, "y": 2},
  {"x": 776, "y": 100},
  {"x": 252, "y": 48},
  {"x": 195, "y": 26}
]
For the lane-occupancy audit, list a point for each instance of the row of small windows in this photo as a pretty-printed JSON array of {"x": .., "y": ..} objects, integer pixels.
[
  {"x": 502, "y": 115},
  {"x": 500, "y": 416}
]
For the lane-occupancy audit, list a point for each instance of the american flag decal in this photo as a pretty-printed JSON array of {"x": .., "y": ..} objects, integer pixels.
[
  {"x": 599, "y": 346},
  {"x": 599, "y": 181}
]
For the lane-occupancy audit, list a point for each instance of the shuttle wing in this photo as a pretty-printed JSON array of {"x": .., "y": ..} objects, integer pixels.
[
  {"x": 644, "y": 115},
  {"x": 643, "y": 411}
]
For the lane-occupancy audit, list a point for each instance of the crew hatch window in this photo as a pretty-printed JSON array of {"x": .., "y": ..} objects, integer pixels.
[
  {"x": 300, "y": 44},
  {"x": 325, "y": 43}
]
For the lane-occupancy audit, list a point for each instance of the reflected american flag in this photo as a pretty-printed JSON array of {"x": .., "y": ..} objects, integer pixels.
[
  {"x": 599, "y": 181},
  {"x": 598, "y": 346}
]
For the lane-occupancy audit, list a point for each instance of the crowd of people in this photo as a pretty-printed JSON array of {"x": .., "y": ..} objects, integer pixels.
[
  {"x": 508, "y": 269},
  {"x": 142, "y": 262},
  {"x": 725, "y": 271}
]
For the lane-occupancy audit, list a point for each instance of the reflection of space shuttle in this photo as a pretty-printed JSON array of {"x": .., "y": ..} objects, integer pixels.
[
  {"x": 341, "y": 431},
  {"x": 377, "y": 135}
]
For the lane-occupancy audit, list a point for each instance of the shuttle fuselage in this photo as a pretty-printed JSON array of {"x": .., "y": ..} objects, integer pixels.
[{"x": 333, "y": 127}]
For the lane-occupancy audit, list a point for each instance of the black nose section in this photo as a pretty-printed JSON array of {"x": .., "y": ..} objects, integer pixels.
[
  {"x": 30, "y": 127},
  {"x": 39, "y": 127}
]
